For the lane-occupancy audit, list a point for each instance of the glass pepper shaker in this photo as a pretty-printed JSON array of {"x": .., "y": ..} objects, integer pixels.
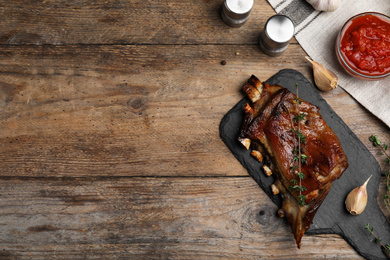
[
  {"x": 236, "y": 12},
  {"x": 277, "y": 33}
]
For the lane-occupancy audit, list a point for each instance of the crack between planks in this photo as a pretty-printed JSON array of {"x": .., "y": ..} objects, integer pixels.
[
  {"x": 103, "y": 178},
  {"x": 130, "y": 44}
]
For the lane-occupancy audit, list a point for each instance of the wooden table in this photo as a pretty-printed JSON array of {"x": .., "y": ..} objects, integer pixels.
[{"x": 109, "y": 133}]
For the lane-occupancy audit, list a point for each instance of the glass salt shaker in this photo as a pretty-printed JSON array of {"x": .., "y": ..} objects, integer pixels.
[
  {"x": 277, "y": 33},
  {"x": 236, "y": 12}
]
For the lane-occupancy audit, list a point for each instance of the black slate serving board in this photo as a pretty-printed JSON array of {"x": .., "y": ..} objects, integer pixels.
[{"x": 332, "y": 217}]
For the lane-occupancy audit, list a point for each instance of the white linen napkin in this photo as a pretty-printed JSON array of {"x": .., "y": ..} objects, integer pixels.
[{"x": 317, "y": 31}]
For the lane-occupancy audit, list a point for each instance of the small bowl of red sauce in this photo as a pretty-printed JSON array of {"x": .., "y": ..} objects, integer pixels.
[{"x": 363, "y": 46}]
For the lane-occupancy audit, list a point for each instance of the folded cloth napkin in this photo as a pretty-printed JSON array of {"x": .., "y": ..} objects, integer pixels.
[{"x": 317, "y": 32}]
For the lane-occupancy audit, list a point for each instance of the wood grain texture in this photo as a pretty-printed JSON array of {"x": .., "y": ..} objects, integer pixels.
[
  {"x": 149, "y": 218},
  {"x": 133, "y": 110},
  {"x": 63, "y": 22},
  {"x": 127, "y": 111},
  {"x": 109, "y": 144}
]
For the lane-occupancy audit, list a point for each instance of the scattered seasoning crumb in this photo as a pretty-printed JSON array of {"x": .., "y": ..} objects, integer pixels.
[
  {"x": 223, "y": 62},
  {"x": 237, "y": 53}
]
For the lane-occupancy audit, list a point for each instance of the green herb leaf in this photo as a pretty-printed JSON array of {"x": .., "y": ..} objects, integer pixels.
[
  {"x": 299, "y": 117},
  {"x": 375, "y": 141},
  {"x": 301, "y": 200}
]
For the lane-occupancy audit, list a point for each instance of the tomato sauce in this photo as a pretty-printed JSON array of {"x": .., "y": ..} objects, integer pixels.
[{"x": 365, "y": 45}]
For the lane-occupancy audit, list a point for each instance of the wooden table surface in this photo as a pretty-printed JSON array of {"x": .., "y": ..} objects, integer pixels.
[{"x": 109, "y": 133}]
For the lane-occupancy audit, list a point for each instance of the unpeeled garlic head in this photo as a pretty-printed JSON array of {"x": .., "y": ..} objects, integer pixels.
[
  {"x": 357, "y": 199},
  {"x": 325, "y": 5}
]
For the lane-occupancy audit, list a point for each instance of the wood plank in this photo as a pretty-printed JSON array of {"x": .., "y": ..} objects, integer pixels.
[
  {"x": 149, "y": 218},
  {"x": 62, "y": 22},
  {"x": 134, "y": 110},
  {"x": 130, "y": 110}
]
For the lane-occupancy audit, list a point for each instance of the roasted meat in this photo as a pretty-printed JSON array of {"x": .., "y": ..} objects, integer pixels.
[{"x": 270, "y": 130}]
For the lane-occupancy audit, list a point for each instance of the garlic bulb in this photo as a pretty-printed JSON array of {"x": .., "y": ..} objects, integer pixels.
[
  {"x": 324, "y": 5},
  {"x": 325, "y": 79},
  {"x": 357, "y": 199}
]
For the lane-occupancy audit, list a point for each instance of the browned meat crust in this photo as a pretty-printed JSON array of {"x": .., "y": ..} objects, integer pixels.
[{"x": 267, "y": 129}]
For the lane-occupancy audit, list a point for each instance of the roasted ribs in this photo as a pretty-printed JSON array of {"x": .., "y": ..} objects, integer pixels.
[{"x": 268, "y": 130}]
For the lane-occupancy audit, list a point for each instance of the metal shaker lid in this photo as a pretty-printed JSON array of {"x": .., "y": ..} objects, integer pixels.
[
  {"x": 278, "y": 31},
  {"x": 237, "y": 9}
]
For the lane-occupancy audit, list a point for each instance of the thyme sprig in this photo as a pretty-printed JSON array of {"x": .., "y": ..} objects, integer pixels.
[
  {"x": 386, "y": 198},
  {"x": 377, "y": 143},
  {"x": 299, "y": 157},
  {"x": 383, "y": 147},
  {"x": 386, "y": 247}
]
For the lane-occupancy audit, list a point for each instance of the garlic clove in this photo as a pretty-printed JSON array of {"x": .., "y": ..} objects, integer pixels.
[
  {"x": 357, "y": 199},
  {"x": 325, "y": 5},
  {"x": 325, "y": 79}
]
